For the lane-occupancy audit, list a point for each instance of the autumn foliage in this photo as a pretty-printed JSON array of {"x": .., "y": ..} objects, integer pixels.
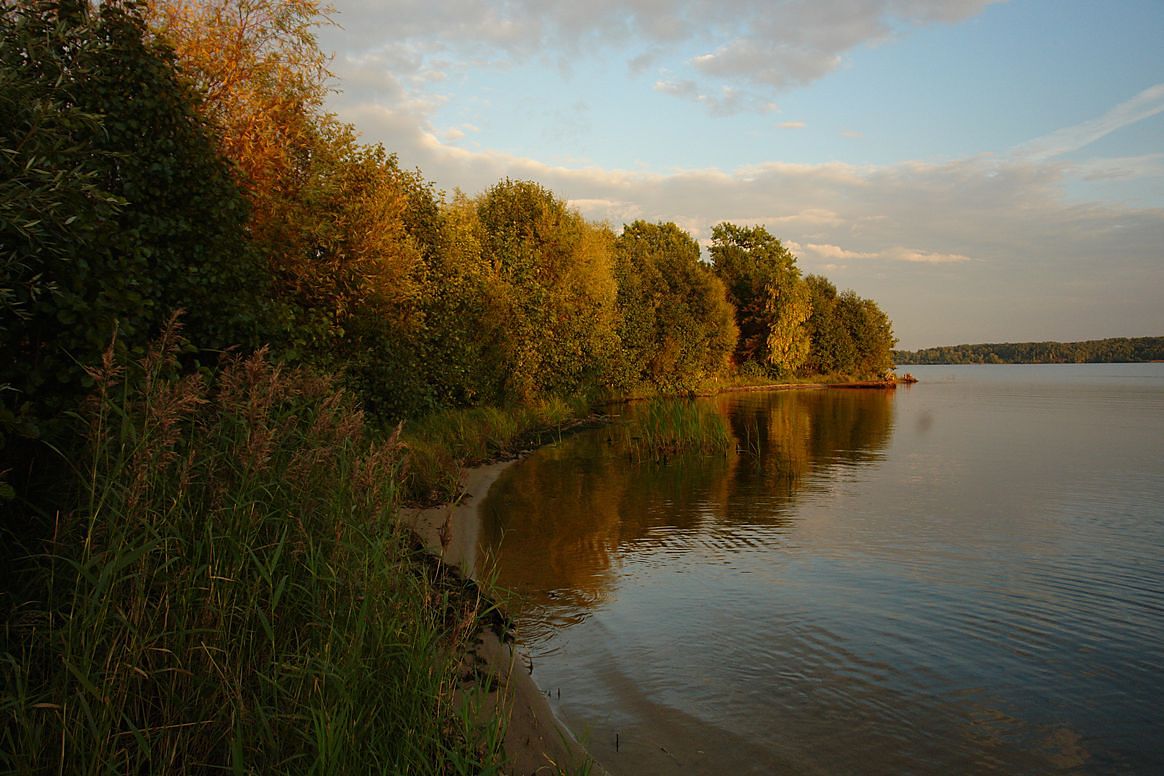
[{"x": 175, "y": 154}]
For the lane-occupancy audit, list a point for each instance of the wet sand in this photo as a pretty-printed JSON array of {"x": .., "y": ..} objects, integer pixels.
[{"x": 535, "y": 741}]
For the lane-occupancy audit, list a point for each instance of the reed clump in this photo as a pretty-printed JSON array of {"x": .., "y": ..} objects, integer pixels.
[
  {"x": 232, "y": 591},
  {"x": 660, "y": 429}
]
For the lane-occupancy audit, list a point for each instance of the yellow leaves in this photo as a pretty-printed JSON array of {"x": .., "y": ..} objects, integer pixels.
[
  {"x": 329, "y": 213},
  {"x": 263, "y": 76},
  {"x": 788, "y": 308},
  {"x": 592, "y": 269}
]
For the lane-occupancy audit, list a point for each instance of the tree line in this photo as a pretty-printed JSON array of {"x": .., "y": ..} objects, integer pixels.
[
  {"x": 1105, "y": 351},
  {"x": 175, "y": 155}
]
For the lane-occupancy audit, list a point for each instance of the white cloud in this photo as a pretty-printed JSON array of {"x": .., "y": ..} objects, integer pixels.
[
  {"x": 792, "y": 125},
  {"x": 723, "y": 102},
  {"x": 1144, "y": 105},
  {"x": 800, "y": 41},
  {"x": 836, "y": 252},
  {"x": 753, "y": 48},
  {"x": 924, "y": 257},
  {"x": 1120, "y": 167},
  {"x": 896, "y": 253},
  {"x": 809, "y": 217}
]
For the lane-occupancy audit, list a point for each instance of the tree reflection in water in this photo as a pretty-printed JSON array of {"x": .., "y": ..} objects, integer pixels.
[{"x": 559, "y": 526}]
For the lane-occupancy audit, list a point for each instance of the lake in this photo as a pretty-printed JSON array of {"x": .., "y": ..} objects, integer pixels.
[{"x": 962, "y": 575}]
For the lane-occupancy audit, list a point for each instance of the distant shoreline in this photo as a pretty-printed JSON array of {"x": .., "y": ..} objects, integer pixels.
[{"x": 1117, "y": 350}]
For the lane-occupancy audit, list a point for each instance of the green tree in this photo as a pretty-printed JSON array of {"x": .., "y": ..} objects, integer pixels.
[
  {"x": 771, "y": 302},
  {"x": 466, "y": 303},
  {"x": 831, "y": 349},
  {"x": 871, "y": 332},
  {"x": 118, "y": 210},
  {"x": 357, "y": 275},
  {"x": 676, "y": 325},
  {"x": 53, "y": 209},
  {"x": 557, "y": 291}
]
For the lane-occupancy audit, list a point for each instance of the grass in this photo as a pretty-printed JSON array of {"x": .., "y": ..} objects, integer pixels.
[
  {"x": 232, "y": 592},
  {"x": 662, "y": 428},
  {"x": 442, "y": 443}
]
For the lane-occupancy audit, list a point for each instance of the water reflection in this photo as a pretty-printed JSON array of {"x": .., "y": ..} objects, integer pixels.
[
  {"x": 956, "y": 578},
  {"x": 561, "y": 525}
]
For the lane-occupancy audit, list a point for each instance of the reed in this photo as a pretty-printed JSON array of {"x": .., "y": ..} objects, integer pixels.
[
  {"x": 662, "y": 428},
  {"x": 233, "y": 592}
]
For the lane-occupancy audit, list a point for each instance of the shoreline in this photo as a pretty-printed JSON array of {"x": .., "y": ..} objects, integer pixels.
[{"x": 535, "y": 741}]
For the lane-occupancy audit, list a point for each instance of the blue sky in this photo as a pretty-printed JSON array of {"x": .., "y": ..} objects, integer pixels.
[{"x": 987, "y": 171}]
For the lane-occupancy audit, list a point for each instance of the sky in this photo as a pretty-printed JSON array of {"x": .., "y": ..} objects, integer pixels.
[{"x": 986, "y": 170}]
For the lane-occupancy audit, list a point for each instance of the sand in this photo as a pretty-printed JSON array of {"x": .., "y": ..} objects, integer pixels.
[{"x": 535, "y": 741}]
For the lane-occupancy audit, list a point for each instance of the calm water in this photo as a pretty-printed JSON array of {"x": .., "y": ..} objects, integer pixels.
[{"x": 965, "y": 575}]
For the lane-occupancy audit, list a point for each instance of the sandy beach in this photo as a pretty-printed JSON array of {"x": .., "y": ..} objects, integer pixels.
[{"x": 535, "y": 741}]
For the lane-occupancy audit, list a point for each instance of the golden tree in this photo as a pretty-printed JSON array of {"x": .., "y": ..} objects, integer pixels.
[{"x": 264, "y": 78}]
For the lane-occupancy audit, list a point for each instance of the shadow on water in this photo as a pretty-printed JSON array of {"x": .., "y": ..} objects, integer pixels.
[{"x": 568, "y": 517}]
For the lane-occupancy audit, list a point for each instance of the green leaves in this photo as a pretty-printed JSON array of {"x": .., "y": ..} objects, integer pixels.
[
  {"x": 676, "y": 324},
  {"x": 791, "y": 325}
]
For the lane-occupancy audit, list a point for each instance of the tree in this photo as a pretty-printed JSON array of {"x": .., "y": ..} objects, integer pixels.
[
  {"x": 787, "y": 309},
  {"x": 871, "y": 332},
  {"x": 466, "y": 307},
  {"x": 557, "y": 290},
  {"x": 119, "y": 208},
  {"x": 676, "y": 325},
  {"x": 831, "y": 347},
  {"x": 264, "y": 78},
  {"x": 355, "y": 278},
  {"x": 764, "y": 285}
]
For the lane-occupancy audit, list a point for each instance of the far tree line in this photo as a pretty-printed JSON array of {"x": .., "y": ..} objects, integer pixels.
[{"x": 1104, "y": 351}]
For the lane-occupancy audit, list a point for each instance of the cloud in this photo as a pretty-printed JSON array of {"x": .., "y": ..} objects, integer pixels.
[
  {"x": 837, "y": 252},
  {"x": 727, "y": 102},
  {"x": 1144, "y": 105},
  {"x": 1120, "y": 167},
  {"x": 924, "y": 257},
  {"x": 792, "y": 125},
  {"x": 612, "y": 211},
  {"x": 751, "y": 50},
  {"x": 809, "y": 217},
  {"x": 896, "y": 253},
  {"x": 797, "y": 42}
]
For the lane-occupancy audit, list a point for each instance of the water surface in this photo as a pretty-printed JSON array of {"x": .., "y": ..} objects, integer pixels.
[{"x": 959, "y": 576}]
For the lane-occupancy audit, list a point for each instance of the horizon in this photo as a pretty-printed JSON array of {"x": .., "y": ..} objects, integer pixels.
[{"x": 983, "y": 170}]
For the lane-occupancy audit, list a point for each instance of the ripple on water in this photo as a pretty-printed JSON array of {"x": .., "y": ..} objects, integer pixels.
[{"x": 963, "y": 577}]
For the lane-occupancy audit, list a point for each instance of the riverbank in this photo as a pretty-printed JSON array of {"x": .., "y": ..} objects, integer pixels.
[
  {"x": 535, "y": 742},
  {"x": 887, "y": 385}
]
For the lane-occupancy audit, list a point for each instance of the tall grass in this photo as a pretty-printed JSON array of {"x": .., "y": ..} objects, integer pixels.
[
  {"x": 661, "y": 428},
  {"x": 233, "y": 592}
]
